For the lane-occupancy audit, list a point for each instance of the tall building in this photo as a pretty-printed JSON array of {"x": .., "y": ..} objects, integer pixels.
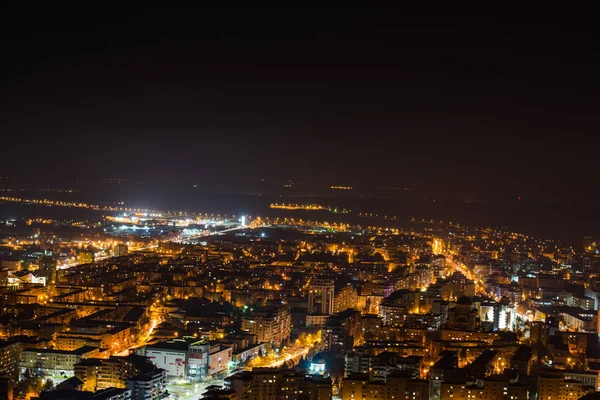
[
  {"x": 341, "y": 331},
  {"x": 358, "y": 386},
  {"x": 150, "y": 385},
  {"x": 270, "y": 324},
  {"x": 55, "y": 362},
  {"x": 197, "y": 362},
  {"x": 113, "y": 335},
  {"x": 98, "y": 373},
  {"x": 85, "y": 257},
  {"x": 47, "y": 269},
  {"x": 558, "y": 388},
  {"x": 9, "y": 360},
  {"x": 488, "y": 389},
  {"x": 540, "y": 332},
  {"x": 383, "y": 367},
  {"x": 412, "y": 389},
  {"x": 355, "y": 387},
  {"x": 120, "y": 250},
  {"x": 589, "y": 379},
  {"x": 321, "y": 296},
  {"x": 275, "y": 384},
  {"x": 345, "y": 297}
]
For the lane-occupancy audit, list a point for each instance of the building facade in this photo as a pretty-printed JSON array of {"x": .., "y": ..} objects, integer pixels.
[
  {"x": 321, "y": 293},
  {"x": 271, "y": 325},
  {"x": 149, "y": 386},
  {"x": 55, "y": 362}
]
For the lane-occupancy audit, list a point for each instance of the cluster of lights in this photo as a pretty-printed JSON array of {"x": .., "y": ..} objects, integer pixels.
[
  {"x": 338, "y": 187},
  {"x": 297, "y": 206}
]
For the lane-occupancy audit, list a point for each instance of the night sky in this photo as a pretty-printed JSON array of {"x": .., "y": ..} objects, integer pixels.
[{"x": 490, "y": 103}]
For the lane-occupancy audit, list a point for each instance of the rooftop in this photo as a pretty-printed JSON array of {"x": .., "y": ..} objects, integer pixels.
[{"x": 80, "y": 351}]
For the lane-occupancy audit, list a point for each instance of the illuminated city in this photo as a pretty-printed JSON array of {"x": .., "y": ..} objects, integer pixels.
[
  {"x": 197, "y": 303},
  {"x": 299, "y": 202}
]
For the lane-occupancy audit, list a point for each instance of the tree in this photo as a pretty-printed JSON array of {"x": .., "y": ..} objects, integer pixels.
[
  {"x": 31, "y": 386},
  {"x": 28, "y": 387},
  {"x": 48, "y": 385}
]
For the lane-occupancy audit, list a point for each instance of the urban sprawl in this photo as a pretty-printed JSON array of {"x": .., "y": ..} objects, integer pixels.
[{"x": 141, "y": 305}]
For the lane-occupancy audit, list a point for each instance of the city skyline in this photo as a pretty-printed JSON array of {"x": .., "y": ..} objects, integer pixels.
[{"x": 299, "y": 202}]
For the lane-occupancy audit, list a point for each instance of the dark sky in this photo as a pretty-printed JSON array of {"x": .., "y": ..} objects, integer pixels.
[{"x": 488, "y": 102}]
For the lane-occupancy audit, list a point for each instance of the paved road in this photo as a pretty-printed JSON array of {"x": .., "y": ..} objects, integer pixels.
[{"x": 189, "y": 391}]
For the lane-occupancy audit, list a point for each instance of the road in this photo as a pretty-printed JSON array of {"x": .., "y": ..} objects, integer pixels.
[
  {"x": 100, "y": 258},
  {"x": 462, "y": 268},
  {"x": 71, "y": 265},
  {"x": 192, "y": 239},
  {"x": 189, "y": 391},
  {"x": 193, "y": 391},
  {"x": 143, "y": 339},
  {"x": 295, "y": 356}
]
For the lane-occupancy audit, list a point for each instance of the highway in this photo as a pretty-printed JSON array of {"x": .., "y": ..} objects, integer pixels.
[{"x": 193, "y": 239}]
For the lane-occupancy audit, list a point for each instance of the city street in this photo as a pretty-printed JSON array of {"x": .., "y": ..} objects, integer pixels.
[{"x": 189, "y": 391}]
